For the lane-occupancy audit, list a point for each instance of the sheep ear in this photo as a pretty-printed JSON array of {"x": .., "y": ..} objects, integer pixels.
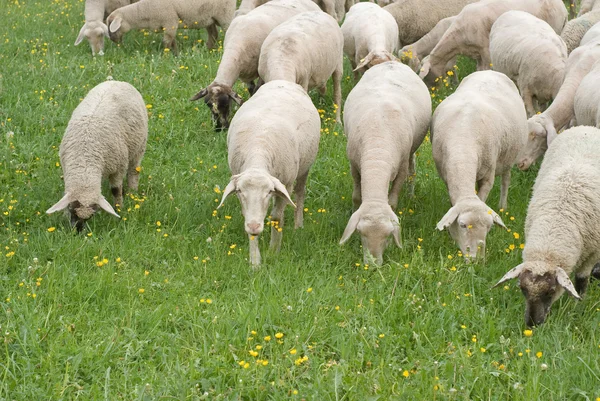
[
  {"x": 364, "y": 62},
  {"x": 498, "y": 220},
  {"x": 229, "y": 189},
  {"x": 104, "y": 205},
  {"x": 115, "y": 24},
  {"x": 396, "y": 231},
  {"x": 513, "y": 273},
  {"x": 351, "y": 227},
  {"x": 281, "y": 190},
  {"x": 81, "y": 35},
  {"x": 200, "y": 94},
  {"x": 565, "y": 282},
  {"x": 449, "y": 218},
  {"x": 60, "y": 205},
  {"x": 236, "y": 98},
  {"x": 551, "y": 133},
  {"x": 425, "y": 67}
]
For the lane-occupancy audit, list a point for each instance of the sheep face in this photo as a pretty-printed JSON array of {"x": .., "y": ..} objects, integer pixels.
[
  {"x": 94, "y": 32},
  {"x": 469, "y": 222},
  {"x": 537, "y": 143},
  {"x": 376, "y": 224},
  {"x": 218, "y": 98},
  {"x": 542, "y": 284},
  {"x": 117, "y": 26},
  {"x": 80, "y": 214}
]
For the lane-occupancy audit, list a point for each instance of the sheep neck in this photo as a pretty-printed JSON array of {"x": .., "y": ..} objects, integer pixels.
[
  {"x": 460, "y": 168},
  {"x": 562, "y": 108},
  {"x": 230, "y": 66},
  {"x": 375, "y": 180},
  {"x": 548, "y": 237},
  {"x": 94, "y": 10}
]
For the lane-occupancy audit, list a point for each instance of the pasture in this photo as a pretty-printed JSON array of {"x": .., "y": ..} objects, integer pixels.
[{"x": 163, "y": 304}]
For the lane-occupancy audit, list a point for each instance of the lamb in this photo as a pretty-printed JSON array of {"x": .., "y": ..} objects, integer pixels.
[
  {"x": 248, "y": 5},
  {"x": 415, "y": 18},
  {"x": 469, "y": 33},
  {"x": 106, "y": 137},
  {"x": 590, "y": 36},
  {"x": 386, "y": 117},
  {"x": 306, "y": 49},
  {"x": 529, "y": 52},
  {"x": 577, "y": 28},
  {"x": 94, "y": 29},
  {"x": 241, "y": 52},
  {"x": 561, "y": 228},
  {"x": 370, "y": 36},
  {"x": 413, "y": 54},
  {"x": 543, "y": 127},
  {"x": 165, "y": 15},
  {"x": 587, "y": 6},
  {"x": 477, "y": 133},
  {"x": 587, "y": 99},
  {"x": 266, "y": 156}
]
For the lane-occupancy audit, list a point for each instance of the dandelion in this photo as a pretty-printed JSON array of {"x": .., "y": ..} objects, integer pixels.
[
  {"x": 405, "y": 373},
  {"x": 528, "y": 333},
  {"x": 146, "y": 272},
  {"x": 148, "y": 106},
  {"x": 279, "y": 336},
  {"x": 539, "y": 354},
  {"x": 381, "y": 335},
  {"x": 209, "y": 301},
  {"x": 482, "y": 349},
  {"x": 309, "y": 289},
  {"x": 253, "y": 353},
  {"x": 293, "y": 351},
  {"x": 516, "y": 235},
  {"x": 141, "y": 290},
  {"x": 267, "y": 338},
  {"x": 51, "y": 229}
]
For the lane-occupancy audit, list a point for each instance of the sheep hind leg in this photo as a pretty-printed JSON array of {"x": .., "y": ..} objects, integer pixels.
[
  {"x": 213, "y": 34},
  {"x": 116, "y": 188},
  {"x": 169, "y": 38},
  {"x": 133, "y": 175},
  {"x": 412, "y": 175},
  {"x": 504, "y": 190},
  {"x": 582, "y": 276},
  {"x": 356, "y": 194},
  {"x": 300, "y": 191},
  {"x": 277, "y": 228},
  {"x": 337, "y": 92},
  {"x": 596, "y": 271}
]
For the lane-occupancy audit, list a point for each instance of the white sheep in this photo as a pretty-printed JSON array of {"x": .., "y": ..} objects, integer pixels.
[
  {"x": 386, "y": 117},
  {"x": 166, "y": 14},
  {"x": 529, "y": 52},
  {"x": 587, "y": 99},
  {"x": 272, "y": 141},
  {"x": 545, "y": 126},
  {"x": 469, "y": 33},
  {"x": 415, "y": 18},
  {"x": 241, "y": 51},
  {"x": 575, "y": 29},
  {"x": 106, "y": 137},
  {"x": 477, "y": 134},
  {"x": 591, "y": 36},
  {"x": 94, "y": 29},
  {"x": 306, "y": 49},
  {"x": 413, "y": 54},
  {"x": 562, "y": 232},
  {"x": 248, "y": 5},
  {"x": 587, "y": 6},
  {"x": 370, "y": 36}
]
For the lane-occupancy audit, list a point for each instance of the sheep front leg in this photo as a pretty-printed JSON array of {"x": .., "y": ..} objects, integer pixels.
[
  {"x": 116, "y": 187},
  {"x": 213, "y": 34},
  {"x": 300, "y": 190},
  {"x": 337, "y": 91},
  {"x": 397, "y": 185},
  {"x": 485, "y": 186},
  {"x": 277, "y": 228},
  {"x": 504, "y": 190},
  {"x": 412, "y": 175},
  {"x": 170, "y": 32},
  {"x": 254, "y": 251},
  {"x": 528, "y": 100},
  {"x": 582, "y": 276},
  {"x": 133, "y": 176}
]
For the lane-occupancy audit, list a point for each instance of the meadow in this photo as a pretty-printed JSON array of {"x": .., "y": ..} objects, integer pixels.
[{"x": 163, "y": 304}]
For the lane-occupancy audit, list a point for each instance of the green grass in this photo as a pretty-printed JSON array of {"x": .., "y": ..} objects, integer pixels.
[{"x": 141, "y": 327}]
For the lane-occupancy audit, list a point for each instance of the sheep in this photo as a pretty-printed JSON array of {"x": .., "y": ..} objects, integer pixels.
[
  {"x": 590, "y": 36},
  {"x": 543, "y": 127},
  {"x": 587, "y": 6},
  {"x": 529, "y": 52},
  {"x": 414, "y": 53},
  {"x": 94, "y": 29},
  {"x": 577, "y": 28},
  {"x": 166, "y": 14},
  {"x": 587, "y": 99},
  {"x": 242, "y": 45},
  {"x": 266, "y": 156},
  {"x": 477, "y": 133},
  {"x": 561, "y": 228},
  {"x": 306, "y": 49},
  {"x": 370, "y": 36},
  {"x": 469, "y": 33},
  {"x": 415, "y": 18},
  {"x": 386, "y": 117},
  {"x": 335, "y": 8},
  {"x": 106, "y": 137},
  {"x": 248, "y": 5}
]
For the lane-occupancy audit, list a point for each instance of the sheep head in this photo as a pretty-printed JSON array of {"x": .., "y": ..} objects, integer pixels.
[
  {"x": 541, "y": 283},
  {"x": 374, "y": 58},
  {"x": 376, "y": 222},
  {"x": 80, "y": 212},
  {"x": 117, "y": 26},
  {"x": 94, "y": 31},
  {"x": 469, "y": 222},
  {"x": 254, "y": 189},
  {"x": 541, "y": 133},
  {"x": 218, "y": 98}
]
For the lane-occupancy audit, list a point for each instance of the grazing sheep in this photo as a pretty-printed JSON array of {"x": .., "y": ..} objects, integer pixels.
[
  {"x": 587, "y": 6},
  {"x": 561, "y": 228},
  {"x": 306, "y": 49},
  {"x": 370, "y": 36},
  {"x": 477, "y": 133},
  {"x": 242, "y": 45},
  {"x": 335, "y": 8},
  {"x": 576, "y": 29},
  {"x": 248, "y": 5},
  {"x": 587, "y": 99},
  {"x": 272, "y": 142},
  {"x": 469, "y": 33},
  {"x": 106, "y": 137},
  {"x": 413, "y": 54},
  {"x": 386, "y": 117},
  {"x": 591, "y": 36},
  {"x": 417, "y": 17},
  {"x": 544, "y": 127},
  {"x": 166, "y": 14},
  {"x": 94, "y": 29},
  {"x": 529, "y": 52}
]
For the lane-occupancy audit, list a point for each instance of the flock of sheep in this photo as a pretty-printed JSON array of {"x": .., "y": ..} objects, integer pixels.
[{"x": 528, "y": 55}]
